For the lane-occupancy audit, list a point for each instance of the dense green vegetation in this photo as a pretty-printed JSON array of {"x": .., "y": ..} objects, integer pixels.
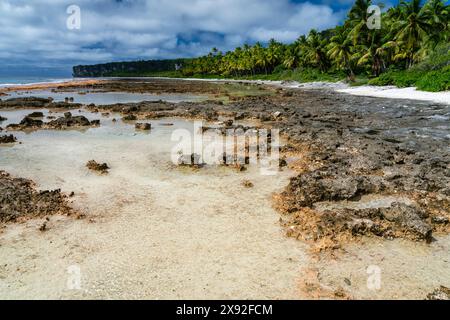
[
  {"x": 131, "y": 68},
  {"x": 432, "y": 74},
  {"x": 411, "y": 48},
  {"x": 402, "y": 52}
]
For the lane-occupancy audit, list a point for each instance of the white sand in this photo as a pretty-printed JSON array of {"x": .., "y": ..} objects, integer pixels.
[{"x": 398, "y": 93}]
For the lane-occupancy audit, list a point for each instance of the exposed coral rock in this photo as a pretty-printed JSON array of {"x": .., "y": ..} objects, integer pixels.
[
  {"x": 143, "y": 126},
  {"x": 36, "y": 114},
  {"x": 7, "y": 139},
  {"x": 99, "y": 167},
  {"x": 19, "y": 199},
  {"x": 247, "y": 184},
  {"x": 443, "y": 293},
  {"x": 129, "y": 117},
  {"x": 71, "y": 121}
]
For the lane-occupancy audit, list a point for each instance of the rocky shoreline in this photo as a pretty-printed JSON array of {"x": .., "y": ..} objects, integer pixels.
[{"x": 349, "y": 147}]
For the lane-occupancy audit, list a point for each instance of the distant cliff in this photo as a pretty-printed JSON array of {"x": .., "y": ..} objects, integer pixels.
[{"x": 117, "y": 69}]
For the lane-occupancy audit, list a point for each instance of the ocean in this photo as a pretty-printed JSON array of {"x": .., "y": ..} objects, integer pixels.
[{"x": 10, "y": 81}]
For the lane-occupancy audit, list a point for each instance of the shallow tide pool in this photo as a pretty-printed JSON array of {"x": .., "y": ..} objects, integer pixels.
[{"x": 152, "y": 229}]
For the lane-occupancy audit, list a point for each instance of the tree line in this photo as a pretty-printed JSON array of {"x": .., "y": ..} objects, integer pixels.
[{"x": 409, "y": 32}]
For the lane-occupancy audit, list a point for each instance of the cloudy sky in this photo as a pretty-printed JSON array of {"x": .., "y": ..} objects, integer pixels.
[{"x": 34, "y": 37}]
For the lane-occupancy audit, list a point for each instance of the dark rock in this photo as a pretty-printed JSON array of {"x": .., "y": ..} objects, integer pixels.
[
  {"x": 64, "y": 105},
  {"x": 70, "y": 121},
  {"x": 130, "y": 109},
  {"x": 247, "y": 184},
  {"x": 143, "y": 126},
  {"x": 36, "y": 114},
  {"x": 440, "y": 220},
  {"x": 361, "y": 226},
  {"x": 409, "y": 217},
  {"x": 130, "y": 117},
  {"x": 443, "y": 293},
  {"x": 27, "y": 102},
  {"x": 315, "y": 186},
  {"x": 28, "y": 122},
  {"x": 19, "y": 199},
  {"x": 241, "y": 116},
  {"x": 95, "y": 166},
  {"x": 228, "y": 123},
  {"x": 7, "y": 139},
  {"x": 264, "y": 117},
  {"x": 43, "y": 227},
  {"x": 211, "y": 115}
]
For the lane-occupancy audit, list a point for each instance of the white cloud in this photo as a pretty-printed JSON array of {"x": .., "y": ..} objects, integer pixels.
[{"x": 35, "y": 33}]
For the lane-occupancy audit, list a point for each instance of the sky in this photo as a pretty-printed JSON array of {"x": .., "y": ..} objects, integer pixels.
[{"x": 35, "y": 37}]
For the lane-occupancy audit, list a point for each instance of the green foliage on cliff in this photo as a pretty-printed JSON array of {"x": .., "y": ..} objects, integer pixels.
[{"x": 132, "y": 68}]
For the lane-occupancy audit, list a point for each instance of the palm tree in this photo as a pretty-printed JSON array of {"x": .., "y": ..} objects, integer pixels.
[
  {"x": 341, "y": 51},
  {"x": 290, "y": 60},
  {"x": 374, "y": 55},
  {"x": 357, "y": 21},
  {"x": 411, "y": 30},
  {"x": 273, "y": 54},
  {"x": 261, "y": 57},
  {"x": 300, "y": 49},
  {"x": 314, "y": 50},
  {"x": 438, "y": 16}
]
